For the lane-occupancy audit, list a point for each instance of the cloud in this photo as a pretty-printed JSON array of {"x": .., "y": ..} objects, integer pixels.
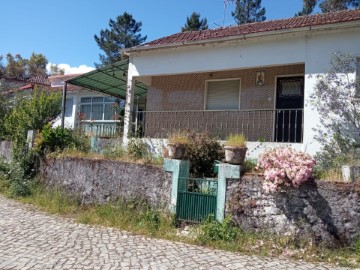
[{"x": 72, "y": 70}]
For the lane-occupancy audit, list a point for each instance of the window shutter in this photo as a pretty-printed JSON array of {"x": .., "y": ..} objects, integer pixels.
[{"x": 223, "y": 95}]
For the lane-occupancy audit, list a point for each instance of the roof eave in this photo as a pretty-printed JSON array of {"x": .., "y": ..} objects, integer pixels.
[{"x": 247, "y": 36}]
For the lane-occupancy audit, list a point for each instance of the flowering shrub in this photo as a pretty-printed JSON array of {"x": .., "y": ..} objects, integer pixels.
[{"x": 285, "y": 167}]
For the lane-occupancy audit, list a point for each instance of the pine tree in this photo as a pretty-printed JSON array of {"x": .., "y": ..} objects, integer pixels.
[
  {"x": 123, "y": 33},
  {"x": 248, "y": 11},
  {"x": 16, "y": 66},
  {"x": 37, "y": 65},
  {"x": 328, "y": 5},
  {"x": 193, "y": 23}
]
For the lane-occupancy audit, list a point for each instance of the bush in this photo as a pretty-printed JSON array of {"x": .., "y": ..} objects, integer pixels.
[
  {"x": 137, "y": 149},
  {"x": 54, "y": 139},
  {"x": 202, "y": 151},
  {"x": 19, "y": 184},
  {"x": 250, "y": 165},
  {"x": 213, "y": 230},
  {"x": 285, "y": 166},
  {"x": 336, "y": 100}
]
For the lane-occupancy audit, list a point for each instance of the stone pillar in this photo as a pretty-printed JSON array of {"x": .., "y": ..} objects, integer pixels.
[
  {"x": 30, "y": 138},
  {"x": 129, "y": 106},
  {"x": 226, "y": 171},
  {"x": 178, "y": 168}
]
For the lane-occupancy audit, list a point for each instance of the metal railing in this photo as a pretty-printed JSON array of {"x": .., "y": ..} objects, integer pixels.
[
  {"x": 105, "y": 129},
  {"x": 285, "y": 125}
]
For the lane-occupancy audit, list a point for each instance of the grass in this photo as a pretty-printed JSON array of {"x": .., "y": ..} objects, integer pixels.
[
  {"x": 137, "y": 217},
  {"x": 236, "y": 140},
  {"x": 118, "y": 154}
]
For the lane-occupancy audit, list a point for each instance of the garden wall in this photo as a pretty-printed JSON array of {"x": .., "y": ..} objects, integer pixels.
[
  {"x": 98, "y": 181},
  {"x": 5, "y": 150},
  {"x": 325, "y": 211}
]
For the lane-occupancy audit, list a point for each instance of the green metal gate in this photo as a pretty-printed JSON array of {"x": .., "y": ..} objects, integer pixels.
[{"x": 196, "y": 199}]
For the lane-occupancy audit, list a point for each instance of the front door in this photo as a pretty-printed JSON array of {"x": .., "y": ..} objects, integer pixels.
[{"x": 289, "y": 109}]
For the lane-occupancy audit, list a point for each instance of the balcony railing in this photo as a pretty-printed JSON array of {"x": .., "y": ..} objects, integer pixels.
[
  {"x": 257, "y": 125},
  {"x": 106, "y": 129}
]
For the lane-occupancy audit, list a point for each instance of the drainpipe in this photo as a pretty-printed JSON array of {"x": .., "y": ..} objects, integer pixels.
[{"x": 63, "y": 105}]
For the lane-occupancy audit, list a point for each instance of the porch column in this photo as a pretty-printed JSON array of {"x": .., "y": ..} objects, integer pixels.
[
  {"x": 63, "y": 105},
  {"x": 129, "y": 107}
]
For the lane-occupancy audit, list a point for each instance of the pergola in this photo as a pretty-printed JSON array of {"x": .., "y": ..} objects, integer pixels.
[{"x": 110, "y": 80}]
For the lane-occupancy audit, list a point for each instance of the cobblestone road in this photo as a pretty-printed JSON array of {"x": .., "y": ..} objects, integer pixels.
[{"x": 30, "y": 239}]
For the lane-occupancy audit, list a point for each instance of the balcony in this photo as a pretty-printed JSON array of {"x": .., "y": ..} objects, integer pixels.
[{"x": 104, "y": 129}]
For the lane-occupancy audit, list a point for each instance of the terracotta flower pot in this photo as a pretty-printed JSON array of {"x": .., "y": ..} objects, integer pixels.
[
  {"x": 235, "y": 155},
  {"x": 176, "y": 151}
]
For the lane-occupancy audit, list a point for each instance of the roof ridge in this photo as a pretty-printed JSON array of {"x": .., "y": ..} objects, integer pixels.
[{"x": 257, "y": 27}]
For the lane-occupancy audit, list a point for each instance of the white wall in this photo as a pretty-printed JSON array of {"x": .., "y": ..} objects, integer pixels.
[
  {"x": 71, "y": 121},
  {"x": 314, "y": 48}
]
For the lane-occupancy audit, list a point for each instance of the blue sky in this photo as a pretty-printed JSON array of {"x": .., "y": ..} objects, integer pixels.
[{"x": 64, "y": 30}]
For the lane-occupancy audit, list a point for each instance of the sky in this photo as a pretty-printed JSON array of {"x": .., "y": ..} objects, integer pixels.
[{"x": 64, "y": 30}]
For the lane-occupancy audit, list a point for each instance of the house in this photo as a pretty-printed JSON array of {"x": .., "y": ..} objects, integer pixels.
[
  {"x": 12, "y": 86},
  {"x": 91, "y": 111},
  {"x": 254, "y": 79}
]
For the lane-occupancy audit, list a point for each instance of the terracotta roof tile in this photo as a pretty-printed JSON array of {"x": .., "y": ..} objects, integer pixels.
[
  {"x": 38, "y": 79},
  {"x": 259, "y": 27}
]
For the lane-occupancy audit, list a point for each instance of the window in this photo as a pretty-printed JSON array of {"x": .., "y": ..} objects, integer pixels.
[
  {"x": 223, "y": 95},
  {"x": 97, "y": 108},
  {"x": 69, "y": 107}
]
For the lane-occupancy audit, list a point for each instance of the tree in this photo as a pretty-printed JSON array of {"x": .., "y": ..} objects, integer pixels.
[
  {"x": 56, "y": 70},
  {"x": 37, "y": 65},
  {"x": 2, "y": 67},
  {"x": 248, "y": 11},
  {"x": 327, "y": 5},
  {"x": 16, "y": 66},
  {"x": 193, "y": 23},
  {"x": 336, "y": 98},
  {"x": 123, "y": 33}
]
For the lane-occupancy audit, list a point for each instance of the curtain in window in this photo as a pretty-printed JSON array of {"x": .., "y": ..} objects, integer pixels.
[
  {"x": 97, "y": 112},
  {"x": 86, "y": 111},
  {"x": 108, "y": 113},
  {"x": 69, "y": 107}
]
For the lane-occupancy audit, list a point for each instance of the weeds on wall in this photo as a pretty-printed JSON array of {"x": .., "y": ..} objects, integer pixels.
[{"x": 135, "y": 151}]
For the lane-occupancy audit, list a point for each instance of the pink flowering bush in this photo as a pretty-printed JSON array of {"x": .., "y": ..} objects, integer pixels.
[{"x": 285, "y": 166}]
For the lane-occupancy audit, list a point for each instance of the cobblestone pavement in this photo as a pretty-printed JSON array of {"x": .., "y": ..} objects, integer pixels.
[{"x": 30, "y": 239}]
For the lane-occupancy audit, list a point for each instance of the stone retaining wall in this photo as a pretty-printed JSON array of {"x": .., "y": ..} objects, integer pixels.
[
  {"x": 327, "y": 212},
  {"x": 98, "y": 181}
]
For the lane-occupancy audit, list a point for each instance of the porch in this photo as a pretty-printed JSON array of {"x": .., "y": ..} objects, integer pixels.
[{"x": 266, "y": 103}]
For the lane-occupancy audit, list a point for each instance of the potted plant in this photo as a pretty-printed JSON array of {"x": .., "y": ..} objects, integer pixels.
[
  {"x": 235, "y": 149},
  {"x": 176, "y": 145}
]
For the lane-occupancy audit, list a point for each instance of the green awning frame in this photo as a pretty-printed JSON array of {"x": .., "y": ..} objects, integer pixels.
[{"x": 110, "y": 80}]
